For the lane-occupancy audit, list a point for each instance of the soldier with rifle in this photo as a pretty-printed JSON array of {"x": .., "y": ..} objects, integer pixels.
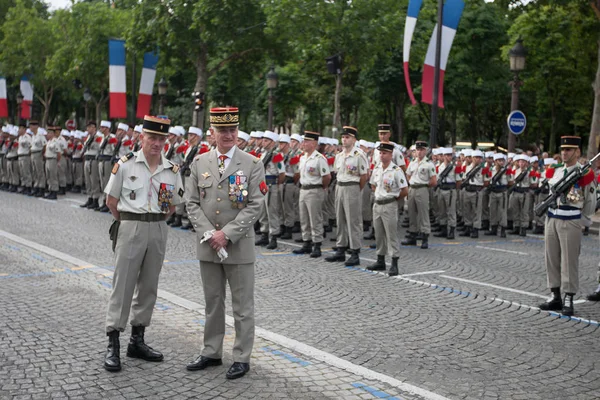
[
  {"x": 447, "y": 183},
  {"x": 90, "y": 168},
  {"x": 541, "y": 192},
  {"x": 498, "y": 196},
  {"x": 189, "y": 151},
  {"x": 569, "y": 206},
  {"x": 473, "y": 184},
  {"x": 519, "y": 199}
]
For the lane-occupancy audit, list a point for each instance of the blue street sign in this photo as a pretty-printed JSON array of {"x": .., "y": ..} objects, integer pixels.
[{"x": 516, "y": 122}]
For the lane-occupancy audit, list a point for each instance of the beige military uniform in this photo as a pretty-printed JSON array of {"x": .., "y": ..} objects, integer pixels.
[
  {"x": 37, "y": 161},
  {"x": 273, "y": 206},
  {"x": 77, "y": 162},
  {"x": 144, "y": 200},
  {"x": 290, "y": 191},
  {"x": 519, "y": 199},
  {"x": 563, "y": 234},
  {"x": 313, "y": 168},
  {"x": 230, "y": 202},
  {"x": 446, "y": 196},
  {"x": 473, "y": 197},
  {"x": 25, "y": 161},
  {"x": 498, "y": 198},
  {"x": 62, "y": 163},
  {"x": 105, "y": 155},
  {"x": 420, "y": 172},
  {"x": 3, "y": 161},
  {"x": 349, "y": 168},
  {"x": 12, "y": 157},
  {"x": 388, "y": 183},
  {"x": 91, "y": 172},
  {"x": 53, "y": 152}
]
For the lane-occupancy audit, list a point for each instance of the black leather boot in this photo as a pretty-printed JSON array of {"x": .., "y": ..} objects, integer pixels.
[
  {"x": 425, "y": 241},
  {"x": 287, "y": 232},
  {"x": 299, "y": 240},
  {"x": 138, "y": 349},
  {"x": 112, "y": 359},
  {"x": 450, "y": 233},
  {"x": 305, "y": 249},
  {"x": 539, "y": 230},
  {"x": 339, "y": 255},
  {"x": 516, "y": 230},
  {"x": 567, "y": 308},
  {"x": 332, "y": 223},
  {"x": 176, "y": 222},
  {"x": 523, "y": 232},
  {"x": 316, "y": 251},
  {"x": 554, "y": 303},
  {"x": 492, "y": 232},
  {"x": 354, "y": 259},
  {"x": 411, "y": 240},
  {"x": 443, "y": 231},
  {"x": 273, "y": 243},
  {"x": 51, "y": 195},
  {"x": 76, "y": 189},
  {"x": 474, "y": 233},
  {"x": 62, "y": 190},
  {"x": 485, "y": 224},
  {"x": 394, "y": 268},
  {"x": 296, "y": 228},
  {"x": 586, "y": 231},
  {"x": 502, "y": 232},
  {"x": 93, "y": 205},
  {"x": 594, "y": 296},
  {"x": 263, "y": 240},
  {"x": 40, "y": 193},
  {"x": 466, "y": 232},
  {"x": 84, "y": 205},
  {"x": 379, "y": 264}
]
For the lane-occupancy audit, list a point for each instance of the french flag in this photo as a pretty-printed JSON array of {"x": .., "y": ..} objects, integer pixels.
[
  {"x": 452, "y": 12},
  {"x": 117, "y": 82},
  {"x": 27, "y": 92},
  {"x": 3, "y": 102},
  {"x": 414, "y": 7},
  {"x": 146, "y": 85}
]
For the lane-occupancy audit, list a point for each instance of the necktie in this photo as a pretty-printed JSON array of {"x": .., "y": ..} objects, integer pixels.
[{"x": 222, "y": 159}]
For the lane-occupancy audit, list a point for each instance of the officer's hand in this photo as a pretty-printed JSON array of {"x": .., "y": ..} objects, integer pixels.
[{"x": 218, "y": 240}]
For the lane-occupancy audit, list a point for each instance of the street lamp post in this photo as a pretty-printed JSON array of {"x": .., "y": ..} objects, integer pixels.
[
  {"x": 272, "y": 80},
  {"x": 19, "y": 103},
  {"x": 162, "y": 92},
  {"x": 87, "y": 96},
  {"x": 517, "y": 57}
]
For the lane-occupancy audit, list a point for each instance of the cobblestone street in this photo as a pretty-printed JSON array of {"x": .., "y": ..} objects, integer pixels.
[{"x": 461, "y": 322}]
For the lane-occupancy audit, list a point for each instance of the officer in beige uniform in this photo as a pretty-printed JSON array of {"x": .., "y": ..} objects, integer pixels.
[
  {"x": 12, "y": 158},
  {"x": 25, "y": 158},
  {"x": 563, "y": 234},
  {"x": 314, "y": 179},
  {"x": 473, "y": 185},
  {"x": 421, "y": 176},
  {"x": 390, "y": 185},
  {"x": 448, "y": 178},
  {"x": 351, "y": 168},
  {"x": 90, "y": 171},
  {"x": 142, "y": 192},
  {"x": 224, "y": 195},
  {"x": 52, "y": 155}
]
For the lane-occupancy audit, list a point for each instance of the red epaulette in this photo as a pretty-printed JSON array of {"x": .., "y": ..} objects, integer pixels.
[
  {"x": 99, "y": 139},
  {"x": 586, "y": 179},
  {"x": 331, "y": 160},
  {"x": 406, "y": 161},
  {"x": 486, "y": 171},
  {"x": 278, "y": 158},
  {"x": 295, "y": 160},
  {"x": 510, "y": 171},
  {"x": 112, "y": 140},
  {"x": 203, "y": 149},
  {"x": 182, "y": 149},
  {"x": 437, "y": 169},
  {"x": 166, "y": 148},
  {"x": 127, "y": 143}
]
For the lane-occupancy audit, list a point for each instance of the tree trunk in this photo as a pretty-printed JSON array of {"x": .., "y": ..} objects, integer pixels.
[
  {"x": 399, "y": 121},
  {"x": 336, "y": 102},
  {"x": 454, "y": 118},
  {"x": 595, "y": 130},
  {"x": 201, "y": 84},
  {"x": 552, "y": 144}
]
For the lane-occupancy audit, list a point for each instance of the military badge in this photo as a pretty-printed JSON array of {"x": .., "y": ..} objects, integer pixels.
[
  {"x": 264, "y": 189},
  {"x": 165, "y": 196},
  {"x": 205, "y": 175},
  {"x": 238, "y": 190}
]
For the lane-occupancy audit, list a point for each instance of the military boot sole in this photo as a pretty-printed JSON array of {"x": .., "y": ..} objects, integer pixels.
[
  {"x": 112, "y": 368},
  {"x": 141, "y": 356},
  {"x": 551, "y": 306},
  {"x": 377, "y": 268}
]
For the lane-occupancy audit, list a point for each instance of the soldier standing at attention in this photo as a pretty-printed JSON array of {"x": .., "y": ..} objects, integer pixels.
[
  {"x": 225, "y": 194},
  {"x": 52, "y": 155},
  {"x": 314, "y": 179},
  {"x": 90, "y": 169},
  {"x": 12, "y": 158},
  {"x": 473, "y": 183},
  {"x": 351, "y": 168},
  {"x": 563, "y": 234},
  {"x": 25, "y": 158},
  {"x": 142, "y": 192},
  {"x": 499, "y": 180},
  {"x": 448, "y": 178},
  {"x": 289, "y": 188},
  {"x": 390, "y": 185},
  {"x": 38, "y": 141},
  {"x": 77, "y": 162},
  {"x": 519, "y": 199},
  {"x": 105, "y": 155},
  {"x": 421, "y": 176}
]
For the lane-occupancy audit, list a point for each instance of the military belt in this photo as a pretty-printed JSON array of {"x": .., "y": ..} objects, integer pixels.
[
  {"x": 385, "y": 201},
  {"x": 23, "y": 155},
  {"x": 35, "y": 151},
  {"x": 104, "y": 157},
  {"x": 473, "y": 188},
  {"x": 90, "y": 157},
  {"x": 149, "y": 217},
  {"x": 289, "y": 179},
  {"x": 347, "y": 183},
  {"x": 448, "y": 186},
  {"x": 77, "y": 159},
  {"x": 419, "y": 186},
  {"x": 271, "y": 179},
  {"x": 521, "y": 190},
  {"x": 308, "y": 187},
  {"x": 499, "y": 189}
]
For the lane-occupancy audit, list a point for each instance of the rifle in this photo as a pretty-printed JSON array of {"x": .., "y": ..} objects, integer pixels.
[
  {"x": 88, "y": 143},
  {"x": 519, "y": 179},
  {"x": 560, "y": 188},
  {"x": 470, "y": 176},
  {"x": 496, "y": 179},
  {"x": 170, "y": 152},
  {"x": 185, "y": 167},
  {"x": 115, "y": 157},
  {"x": 444, "y": 175}
]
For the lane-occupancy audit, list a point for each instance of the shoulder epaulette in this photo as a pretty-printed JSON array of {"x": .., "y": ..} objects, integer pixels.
[
  {"x": 127, "y": 157},
  {"x": 556, "y": 165},
  {"x": 174, "y": 167},
  {"x": 587, "y": 178}
]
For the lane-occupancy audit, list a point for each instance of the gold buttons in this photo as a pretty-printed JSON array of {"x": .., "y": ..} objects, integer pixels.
[
  {"x": 217, "y": 225},
  {"x": 218, "y": 212},
  {"x": 218, "y": 199},
  {"x": 219, "y": 187}
]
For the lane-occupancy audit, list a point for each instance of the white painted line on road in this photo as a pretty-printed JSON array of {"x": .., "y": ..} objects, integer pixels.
[
  {"x": 74, "y": 201},
  {"x": 502, "y": 250},
  {"x": 495, "y": 286},
  {"x": 47, "y": 200},
  {"x": 281, "y": 340},
  {"x": 424, "y": 273}
]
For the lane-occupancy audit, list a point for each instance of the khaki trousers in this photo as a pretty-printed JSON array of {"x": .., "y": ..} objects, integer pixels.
[
  {"x": 418, "y": 210},
  {"x": 139, "y": 257},
  {"x": 38, "y": 170},
  {"x": 104, "y": 168},
  {"x": 563, "y": 245},
  {"x": 473, "y": 202},
  {"x": 14, "y": 178},
  {"x": 62, "y": 172},
  {"x": 329, "y": 203},
  {"x": 52, "y": 174},
  {"x": 274, "y": 211},
  {"x": 78, "y": 173},
  {"x": 349, "y": 216},
  {"x": 385, "y": 223},
  {"x": 519, "y": 204},
  {"x": 498, "y": 205},
  {"x": 367, "y": 203},
  {"x": 297, "y": 204},
  {"x": 539, "y": 221},
  {"x": 447, "y": 207},
  {"x": 3, "y": 170},
  {"x": 311, "y": 214},
  {"x": 289, "y": 209},
  {"x": 25, "y": 171},
  {"x": 241, "y": 281},
  {"x": 485, "y": 206},
  {"x": 92, "y": 178}
]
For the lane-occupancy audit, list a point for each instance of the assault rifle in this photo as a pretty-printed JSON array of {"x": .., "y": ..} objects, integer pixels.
[
  {"x": 470, "y": 176},
  {"x": 88, "y": 143},
  {"x": 444, "y": 174},
  {"x": 560, "y": 188},
  {"x": 519, "y": 179},
  {"x": 496, "y": 179},
  {"x": 185, "y": 167}
]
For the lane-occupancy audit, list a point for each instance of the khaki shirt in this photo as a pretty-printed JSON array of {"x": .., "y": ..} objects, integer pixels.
[
  {"x": 389, "y": 182},
  {"x": 477, "y": 180},
  {"x": 12, "y": 152},
  {"x": 24, "y": 144},
  {"x": 290, "y": 169},
  {"x": 452, "y": 177},
  {"x": 139, "y": 190},
  {"x": 420, "y": 171},
  {"x": 504, "y": 180},
  {"x": 313, "y": 168},
  {"x": 52, "y": 149},
  {"x": 109, "y": 148},
  {"x": 527, "y": 180},
  {"x": 93, "y": 148},
  {"x": 349, "y": 167},
  {"x": 273, "y": 168},
  {"x": 38, "y": 142}
]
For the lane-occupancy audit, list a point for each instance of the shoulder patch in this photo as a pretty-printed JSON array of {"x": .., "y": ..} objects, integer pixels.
[
  {"x": 126, "y": 157},
  {"x": 175, "y": 169},
  {"x": 115, "y": 168}
]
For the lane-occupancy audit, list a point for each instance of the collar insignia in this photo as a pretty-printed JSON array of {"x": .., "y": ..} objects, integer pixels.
[{"x": 205, "y": 175}]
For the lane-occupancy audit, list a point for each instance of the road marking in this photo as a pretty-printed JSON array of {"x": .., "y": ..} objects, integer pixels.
[
  {"x": 47, "y": 200},
  {"x": 281, "y": 340},
  {"x": 424, "y": 273},
  {"x": 502, "y": 250},
  {"x": 495, "y": 286},
  {"x": 74, "y": 201}
]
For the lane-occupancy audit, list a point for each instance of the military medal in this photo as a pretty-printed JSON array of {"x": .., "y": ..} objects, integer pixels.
[{"x": 132, "y": 196}]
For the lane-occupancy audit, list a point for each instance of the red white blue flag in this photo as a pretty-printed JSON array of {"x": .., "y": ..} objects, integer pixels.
[
  {"x": 414, "y": 7},
  {"x": 27, "y": 92},
  {"x": 452, "y": 12},
  {"x": 117, "y": 81},
  {"x": 3, "y": 102},
  {"x": 146, "y": 85}
]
